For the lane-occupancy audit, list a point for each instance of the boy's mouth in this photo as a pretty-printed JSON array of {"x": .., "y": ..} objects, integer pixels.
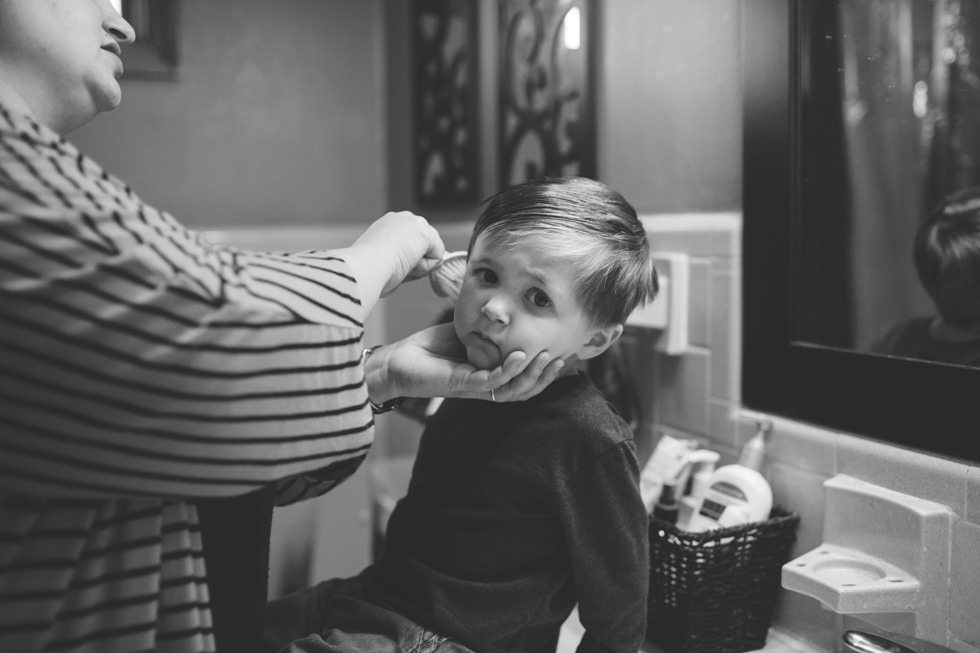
[
  {"x": 487, "y": 339},
  {"x": 485, "y": 342}
]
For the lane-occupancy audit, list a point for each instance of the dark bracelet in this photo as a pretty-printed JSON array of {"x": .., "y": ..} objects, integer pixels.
[{"x": 387, "y": 406}]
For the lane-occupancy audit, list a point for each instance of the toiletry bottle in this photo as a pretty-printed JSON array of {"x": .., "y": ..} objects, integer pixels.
[
  {"x": 664, "y": 464},
  {"x": 666, "y": 508},
  {"x": 736, "y": 495},
  {"x": 754, "y": 450},
  {"x": 701, "y": 465}
]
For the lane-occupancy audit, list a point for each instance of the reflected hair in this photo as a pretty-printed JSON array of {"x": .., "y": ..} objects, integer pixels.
[
  {"x": 947, "y": 257},
  {"x": 587, "y": 223}
]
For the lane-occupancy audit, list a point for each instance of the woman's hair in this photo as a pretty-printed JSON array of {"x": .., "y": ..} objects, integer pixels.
[
  {"x": 587, "y": 223},
  {"x": 947, "y": 257}
]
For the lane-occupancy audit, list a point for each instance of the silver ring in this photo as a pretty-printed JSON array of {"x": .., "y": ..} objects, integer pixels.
[{"x": 493, "y": 398}]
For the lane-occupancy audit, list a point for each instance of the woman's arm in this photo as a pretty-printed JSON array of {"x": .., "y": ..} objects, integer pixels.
[{"x": 140, "y": 359}]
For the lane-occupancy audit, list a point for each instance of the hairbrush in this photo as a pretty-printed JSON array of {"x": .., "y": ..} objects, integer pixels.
[{"x": 447, "y": 276}]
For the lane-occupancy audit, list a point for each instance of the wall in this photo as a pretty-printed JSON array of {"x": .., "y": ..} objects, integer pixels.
[
  {"x": 667, "y": 105},
  {"x": 277, "y": 117}
]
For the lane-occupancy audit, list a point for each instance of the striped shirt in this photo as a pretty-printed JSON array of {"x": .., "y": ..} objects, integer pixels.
[{"x": 142, "y": 367}]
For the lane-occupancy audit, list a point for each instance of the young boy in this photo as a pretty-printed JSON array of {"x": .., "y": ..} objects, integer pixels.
[{"x": 515, "y": 512}]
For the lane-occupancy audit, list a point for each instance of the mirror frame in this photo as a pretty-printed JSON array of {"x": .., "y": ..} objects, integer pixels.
[{"x": 934, "y": 408}]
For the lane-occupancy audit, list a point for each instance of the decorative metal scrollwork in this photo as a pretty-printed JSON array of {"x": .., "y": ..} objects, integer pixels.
[
  {"x": 446, "y": 132},
  {"x": 547, "y": 117}
]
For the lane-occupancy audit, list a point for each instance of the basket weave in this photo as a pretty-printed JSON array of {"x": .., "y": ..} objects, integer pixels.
[{"x": 714, "y": 592}]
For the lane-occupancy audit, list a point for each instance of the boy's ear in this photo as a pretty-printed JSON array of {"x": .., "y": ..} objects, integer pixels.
[{"x": 600, "y": 341}]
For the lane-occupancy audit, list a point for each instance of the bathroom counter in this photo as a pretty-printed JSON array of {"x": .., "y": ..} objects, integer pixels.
[{"x": 777, "y": 641}]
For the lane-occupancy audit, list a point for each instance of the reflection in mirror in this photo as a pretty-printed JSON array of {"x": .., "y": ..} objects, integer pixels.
[{"x": 890, "y": 126}]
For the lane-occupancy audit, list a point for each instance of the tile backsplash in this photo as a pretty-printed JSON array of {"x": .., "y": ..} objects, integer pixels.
[{"x": 697, "y": 394}]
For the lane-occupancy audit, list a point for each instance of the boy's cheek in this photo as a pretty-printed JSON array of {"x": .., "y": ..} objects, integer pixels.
[{"x": 530, "y": 351}]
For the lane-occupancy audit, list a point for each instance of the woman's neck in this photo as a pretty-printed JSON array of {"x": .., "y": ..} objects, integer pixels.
[{"x": 13, "y": 100}]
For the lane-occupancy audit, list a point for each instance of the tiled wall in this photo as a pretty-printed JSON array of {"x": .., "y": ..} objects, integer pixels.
[{"x": 697, "y": 394}]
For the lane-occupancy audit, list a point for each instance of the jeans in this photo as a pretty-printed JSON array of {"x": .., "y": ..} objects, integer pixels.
[{"x": 334, "y": 617}]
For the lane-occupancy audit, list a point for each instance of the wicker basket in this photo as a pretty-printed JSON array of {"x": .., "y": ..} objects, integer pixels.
[{"x": 714, "y": 592}]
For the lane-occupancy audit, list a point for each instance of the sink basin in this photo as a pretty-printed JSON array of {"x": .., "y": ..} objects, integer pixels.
[
  {"x": 883, "y": 552},
  {"x": 848, "y": 571},
  {"x": 849, "y": 581}
]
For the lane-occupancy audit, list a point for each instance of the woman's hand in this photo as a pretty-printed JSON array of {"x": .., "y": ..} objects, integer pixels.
[
  {"x": 406, "y": 243},
  {"x": 396, "y": 247},
  {"x": 432, "y": 363}
]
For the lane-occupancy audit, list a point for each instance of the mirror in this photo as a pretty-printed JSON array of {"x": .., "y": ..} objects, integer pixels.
[
  {"x": 858, "y": 115},
  {"x": 890, "y": 126}
]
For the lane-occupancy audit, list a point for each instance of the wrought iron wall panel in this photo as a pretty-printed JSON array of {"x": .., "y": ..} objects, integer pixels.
[
  {"x": 445, "y": 103},
  {"x": 547, "y": 113}
]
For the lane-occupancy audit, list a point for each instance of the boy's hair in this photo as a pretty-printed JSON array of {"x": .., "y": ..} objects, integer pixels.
[
  {"x": 586, "y": 222},
  {"x": 947, "y": 257}
]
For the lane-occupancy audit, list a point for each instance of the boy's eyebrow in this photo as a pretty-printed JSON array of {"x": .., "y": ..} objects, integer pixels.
[{"x": 536, "y": 276}]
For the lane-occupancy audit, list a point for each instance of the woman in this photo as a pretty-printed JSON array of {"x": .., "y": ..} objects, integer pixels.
[{"x": 145, "y": 373}]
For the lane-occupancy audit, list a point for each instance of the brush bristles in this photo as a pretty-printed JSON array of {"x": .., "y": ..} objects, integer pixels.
[{"x": 447, "y": 278}]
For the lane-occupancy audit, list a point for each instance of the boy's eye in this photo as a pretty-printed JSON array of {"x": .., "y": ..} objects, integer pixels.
[
  {"x": 485, "y": 275},
  {"x": 539, "y": 298}
]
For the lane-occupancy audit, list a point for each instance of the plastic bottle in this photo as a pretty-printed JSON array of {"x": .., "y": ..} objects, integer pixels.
[
  {"x": 666, "y": 508},
  {"x": 735, "y": 495},
  {"x": 664, "y": 465},
  {"x": 754, "y": 451},
  {"x": 701, "y": 465}
]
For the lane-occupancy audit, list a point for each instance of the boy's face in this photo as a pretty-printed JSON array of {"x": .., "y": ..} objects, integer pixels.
[{"x": 518, "y": 298}]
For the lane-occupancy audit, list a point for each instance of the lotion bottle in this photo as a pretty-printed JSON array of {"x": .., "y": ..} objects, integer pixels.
[{"x": 735, "y": 495}]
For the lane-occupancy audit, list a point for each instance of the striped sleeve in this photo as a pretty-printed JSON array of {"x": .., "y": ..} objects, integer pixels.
[{"x": 138, "y": 359}]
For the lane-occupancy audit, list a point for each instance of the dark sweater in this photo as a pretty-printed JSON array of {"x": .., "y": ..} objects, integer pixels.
[
  {"x": 913, "y": 338},
  {"x": 515, "y": 513}
]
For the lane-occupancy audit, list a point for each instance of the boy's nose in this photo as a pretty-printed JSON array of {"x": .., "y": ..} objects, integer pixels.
[{"x": 495, "y": 311}]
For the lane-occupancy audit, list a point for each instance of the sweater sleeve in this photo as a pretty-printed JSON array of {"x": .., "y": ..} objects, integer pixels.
[
  {"x": 139, "y": 359},
  {"x": 608, "y": 541}
]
